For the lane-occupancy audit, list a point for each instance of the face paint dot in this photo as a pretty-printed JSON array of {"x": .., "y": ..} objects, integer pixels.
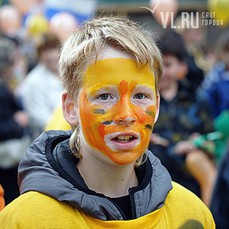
[
  {"x": 107, "y": 122},
  {"x": 148, "y": 126},
  {"x": 150, "y": 113}
]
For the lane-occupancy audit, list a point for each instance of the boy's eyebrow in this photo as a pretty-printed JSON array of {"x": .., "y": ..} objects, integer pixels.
[{"x": 100, "y": 87}]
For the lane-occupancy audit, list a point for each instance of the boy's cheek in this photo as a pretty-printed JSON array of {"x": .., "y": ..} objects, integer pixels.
[{"x": 146, "y": 116}]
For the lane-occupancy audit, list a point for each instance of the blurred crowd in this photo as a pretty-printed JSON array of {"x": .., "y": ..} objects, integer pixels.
[
  {"x": 31, "y": 34},
  {"x": 191, "y": 134}
]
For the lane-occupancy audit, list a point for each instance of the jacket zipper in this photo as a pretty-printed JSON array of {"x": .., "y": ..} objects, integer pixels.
[
  {"x": 119, "y": 209},
  {"x": 132, "y": 203}
]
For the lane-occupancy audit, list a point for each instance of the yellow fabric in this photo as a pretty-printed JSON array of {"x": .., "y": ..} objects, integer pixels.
[
  {"x": 57, "y": 121},
  {"x": 34, "y": 211}
]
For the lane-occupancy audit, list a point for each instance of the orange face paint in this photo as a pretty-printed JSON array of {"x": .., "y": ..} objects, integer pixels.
[{"x": 117, "y": 107}]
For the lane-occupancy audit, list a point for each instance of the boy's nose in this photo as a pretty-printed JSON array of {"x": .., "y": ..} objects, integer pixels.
[{"x": 124, "y": 114}]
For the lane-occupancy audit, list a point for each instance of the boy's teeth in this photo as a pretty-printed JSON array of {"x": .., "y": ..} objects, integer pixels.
[{"x": 124, "y": 137}]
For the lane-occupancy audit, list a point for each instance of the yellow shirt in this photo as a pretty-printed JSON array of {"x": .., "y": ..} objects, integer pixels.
[
  {"x": 57, "y": 121},
  {"x": 34, "y": 210}
]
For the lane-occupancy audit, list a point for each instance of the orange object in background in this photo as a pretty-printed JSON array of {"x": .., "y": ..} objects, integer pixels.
[{"x": 2, "y": 201}]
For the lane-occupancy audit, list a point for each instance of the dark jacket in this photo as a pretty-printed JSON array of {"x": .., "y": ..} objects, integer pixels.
[
  {"x": 9, "y": 128},
  {"x": 178, "y": 119}
]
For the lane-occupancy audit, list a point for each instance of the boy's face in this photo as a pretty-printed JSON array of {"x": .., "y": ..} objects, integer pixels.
[
  {"x": 117, "y": 107},
  {"x": 50, "y": 58}
]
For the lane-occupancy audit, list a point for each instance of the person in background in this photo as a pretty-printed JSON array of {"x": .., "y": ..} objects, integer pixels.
[
  {"x": 20, "y": 66},
  {"x": 42, "y": 88},
  {"x": 101, "y": 175},
  {"x": 14, "y": 123},
  {"x": 194, "y": 74},
  {"x": 195, "y": 40},
  {"x": 215, "y": 87},
  {"x": 182, "y": 117}
]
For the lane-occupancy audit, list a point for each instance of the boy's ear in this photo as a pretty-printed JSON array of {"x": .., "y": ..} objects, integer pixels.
[
  {"x": 157, "y": 106},
  {"x": 69, "y": 109}
]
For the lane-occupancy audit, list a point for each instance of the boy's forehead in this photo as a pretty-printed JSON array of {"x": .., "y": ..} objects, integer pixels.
[
  {"x": 114, "y": 70},
  {"x": 112, "y": 52}
]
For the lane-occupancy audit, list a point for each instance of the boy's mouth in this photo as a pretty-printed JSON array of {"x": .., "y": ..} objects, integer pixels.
[
  {"x": 122, "y": 141},
  {"x": 124, "y": 138}
]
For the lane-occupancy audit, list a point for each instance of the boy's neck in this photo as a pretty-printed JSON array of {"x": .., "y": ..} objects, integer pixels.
[{"x": 112, "y": 181}]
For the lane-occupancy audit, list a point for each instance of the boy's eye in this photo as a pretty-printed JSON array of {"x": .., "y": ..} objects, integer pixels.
[
  {"x": 105, "y": 96},
  {"x": 139, "y": 96}
]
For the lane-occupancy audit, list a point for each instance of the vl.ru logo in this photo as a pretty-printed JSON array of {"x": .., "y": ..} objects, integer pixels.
[
  {"x": 190, "y": 20},
  {"x": 187, "y": 19}
]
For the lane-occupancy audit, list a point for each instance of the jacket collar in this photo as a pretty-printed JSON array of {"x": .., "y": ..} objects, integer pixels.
[{"x": 49, "y": 168}]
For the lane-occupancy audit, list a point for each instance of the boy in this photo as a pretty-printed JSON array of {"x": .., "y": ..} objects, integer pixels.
[{"x": 101, "y": 175}]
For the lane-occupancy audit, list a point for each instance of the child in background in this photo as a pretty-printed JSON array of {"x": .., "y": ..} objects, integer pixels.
[{"x": 182, "y": 116}]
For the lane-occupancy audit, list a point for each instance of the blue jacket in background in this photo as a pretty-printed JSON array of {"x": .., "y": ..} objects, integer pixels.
[{"x": 216, "y": 87}]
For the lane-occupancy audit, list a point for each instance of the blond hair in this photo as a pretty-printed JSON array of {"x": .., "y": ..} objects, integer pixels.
[{"x": 83, "y": 47}]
